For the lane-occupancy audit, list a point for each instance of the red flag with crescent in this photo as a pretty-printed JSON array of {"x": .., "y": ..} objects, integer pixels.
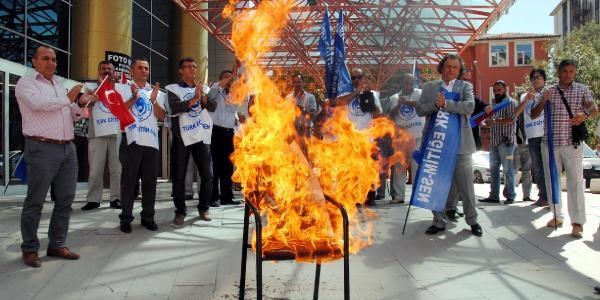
[{"x": 114, "y": 102}]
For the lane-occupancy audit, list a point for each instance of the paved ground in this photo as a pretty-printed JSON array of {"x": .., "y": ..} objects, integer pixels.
[{"x": 517, "y": 258}]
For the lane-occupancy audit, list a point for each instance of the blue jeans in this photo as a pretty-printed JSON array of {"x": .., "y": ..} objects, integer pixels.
[
  {"x": 535, "y": 150},
  {"x": 502, "y": 154}
]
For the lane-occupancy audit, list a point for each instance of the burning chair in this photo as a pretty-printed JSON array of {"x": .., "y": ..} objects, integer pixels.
[{"x": 287, "y": 255}]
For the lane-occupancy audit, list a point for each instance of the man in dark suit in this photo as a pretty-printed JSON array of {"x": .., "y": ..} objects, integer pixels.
[{"x": 432, "y": 100}]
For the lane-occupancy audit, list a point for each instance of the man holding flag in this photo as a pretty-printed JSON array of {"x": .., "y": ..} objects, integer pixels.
[
  {"x": 559, "y": 142},
  {"x": 103, "y": 145},
  {"x": 48, "y": 112},
  {"x": 502, "y": 145},
  {"x": 434, "y": 106}
]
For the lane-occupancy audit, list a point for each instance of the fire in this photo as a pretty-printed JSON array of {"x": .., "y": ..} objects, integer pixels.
[{"x": 287, "y": 176}]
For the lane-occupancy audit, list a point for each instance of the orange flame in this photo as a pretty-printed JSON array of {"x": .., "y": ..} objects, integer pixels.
[{"x": 286, "y": 184}]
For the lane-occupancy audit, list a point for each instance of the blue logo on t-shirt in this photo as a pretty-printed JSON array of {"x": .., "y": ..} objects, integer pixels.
[
  {"x": 407, "y": 112},
  {"x": 103, "y": 107},
  {"x": 195, "y": 110},
  {"x": 355, "y": 108},
  {"x": 142, "y": 109}
]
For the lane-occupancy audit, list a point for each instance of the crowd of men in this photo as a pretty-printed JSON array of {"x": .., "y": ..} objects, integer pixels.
[{"x": 202, "y": 119}]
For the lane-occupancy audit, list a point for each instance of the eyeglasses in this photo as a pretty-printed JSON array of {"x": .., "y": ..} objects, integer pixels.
[
  {"x": 356, "y": 77},
  {"x": 536, "y": 77}
]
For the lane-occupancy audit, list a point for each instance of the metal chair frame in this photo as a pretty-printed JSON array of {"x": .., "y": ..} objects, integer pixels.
[{"x": 251, "y": 209}]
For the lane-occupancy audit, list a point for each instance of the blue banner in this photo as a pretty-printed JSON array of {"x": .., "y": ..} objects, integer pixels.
[
  {"x": 551, "y": 158},
  {"x": 477, "y": 119},
  {"x": 436, "y": 159},
  {"x": 326, "y": 53},
  {"x": 341, "y": 77}
]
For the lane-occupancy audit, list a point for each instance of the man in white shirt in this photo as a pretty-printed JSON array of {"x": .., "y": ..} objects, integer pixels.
[
  {"x": 102, "y": 146},
  {"x": 403, "y": 113},
  {"x": 534, "y": 132},
  {"x": 139, "y": 144},
  {"x": 361, "y": 119},
  {"x": 306, "y": 103}
]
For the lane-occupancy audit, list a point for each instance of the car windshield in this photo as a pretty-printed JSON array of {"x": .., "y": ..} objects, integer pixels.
[{"x": 588, "y": 152}]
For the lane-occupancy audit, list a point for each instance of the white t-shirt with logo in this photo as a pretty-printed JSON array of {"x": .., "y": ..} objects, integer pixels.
[
  {"x": 144, "y": 131},
  {"x": 533, "y": 127},
  {"x": 361, "y": 119},
  {"x": 103, "y": 122},
  {"x": 195, "y": 125},
  {"x": 407, "y": 117}
]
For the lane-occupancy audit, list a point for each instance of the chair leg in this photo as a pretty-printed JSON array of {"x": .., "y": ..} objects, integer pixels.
[
  {"x": 244, "y": 253},
  {"x": 317, "y": 279},
  {"x": 258, "y": 228}
]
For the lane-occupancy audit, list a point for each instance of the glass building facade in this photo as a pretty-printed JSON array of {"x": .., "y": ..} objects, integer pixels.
[
  {"x": 150, "y": 32},
  {"x": 26, "y": 24}
]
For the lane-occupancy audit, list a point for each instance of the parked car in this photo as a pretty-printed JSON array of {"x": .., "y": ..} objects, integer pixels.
[
  {"x": 481, "y": 167},
  {"x": 591, "y": 165}
]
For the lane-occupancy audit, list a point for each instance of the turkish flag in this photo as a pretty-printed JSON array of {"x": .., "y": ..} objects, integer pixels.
[{"x": 113, "y": 100}]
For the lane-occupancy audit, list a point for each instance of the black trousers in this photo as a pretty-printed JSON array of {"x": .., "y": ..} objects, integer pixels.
[
  {"x": 221, "y": 148},
  {"x": 136, "y": 159},
  {"x": 180, "y": 154}
]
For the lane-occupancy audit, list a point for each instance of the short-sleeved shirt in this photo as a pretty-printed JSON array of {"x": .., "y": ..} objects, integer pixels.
[
  {"x": 578, "y": 96},
  {"x": 361, "y": 119},
  {"x": 500, "y": 134}
]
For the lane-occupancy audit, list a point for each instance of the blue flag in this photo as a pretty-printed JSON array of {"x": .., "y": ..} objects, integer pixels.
[
  {"x": 436, "y": 159},
  {"x": 341, "y": 76},
  {"x": 326, "y": 53},
  {"x": 551, "y": 158},
  {"x": 477, "y": 119}
]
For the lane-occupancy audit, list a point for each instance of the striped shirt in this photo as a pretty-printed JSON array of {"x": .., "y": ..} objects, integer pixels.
[
  {"x": 578, "y": 96},
  {"x": 500, "y": 134},
  {"x": 45, "y": 108}
]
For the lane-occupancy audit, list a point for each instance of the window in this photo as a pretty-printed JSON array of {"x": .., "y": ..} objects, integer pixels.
[
  {"x": 499, "y": 55},
  {"x": 523, "y": 54},
  {"x": 25, "y": 24}
]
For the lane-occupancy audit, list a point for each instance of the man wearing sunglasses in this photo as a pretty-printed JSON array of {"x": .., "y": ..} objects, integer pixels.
[{"x": 360, "y": 118}]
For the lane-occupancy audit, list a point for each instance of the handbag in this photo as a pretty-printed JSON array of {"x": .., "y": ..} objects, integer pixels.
[
  {"x": 579, "y": 133},
  {"x": 367, "y": 101}
]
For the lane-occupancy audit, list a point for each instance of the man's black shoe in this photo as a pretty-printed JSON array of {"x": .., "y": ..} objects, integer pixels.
[
  {"x": 189, "y": 197},
  {"x": 116, "y": 204},
  {"x": 527, "y": 199},
  {"x": 452, "y": 215},
  {"x": 509, "y": 201},
  {"x": 214, "y": 204},
  {"x": 434, "y": 230},
  {"x": 90, "y": 206},
  {"x": 371, "y": 203},
  {"x": 125, "y": 227},
  {"x": 150, "y": 225},
  {"x": 232, "y": 202},
  {"x": 489, "y": 200},
  {"x": 476, "y": 230}
]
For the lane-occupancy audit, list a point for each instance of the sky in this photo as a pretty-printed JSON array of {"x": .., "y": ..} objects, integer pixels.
[{"x": 527, "y": 16}]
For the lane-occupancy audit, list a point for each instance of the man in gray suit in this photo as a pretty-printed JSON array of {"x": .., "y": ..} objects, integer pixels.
[{"x": 432, "y": 100}]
